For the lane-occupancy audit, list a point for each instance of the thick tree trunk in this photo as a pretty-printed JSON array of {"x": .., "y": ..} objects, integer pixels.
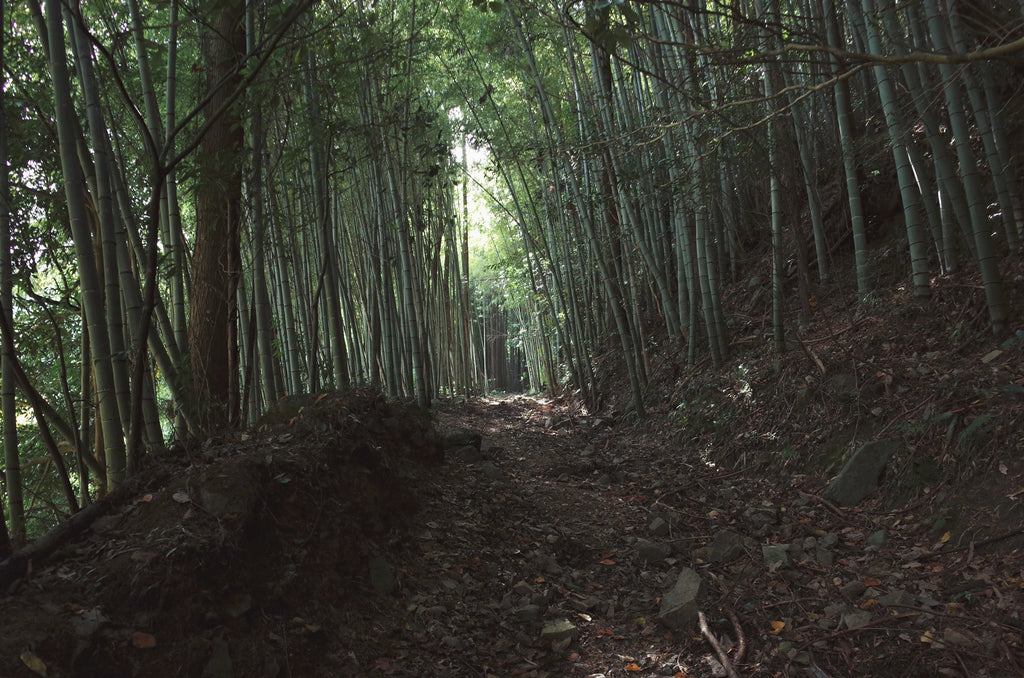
[{"x": 212, "y": 336}]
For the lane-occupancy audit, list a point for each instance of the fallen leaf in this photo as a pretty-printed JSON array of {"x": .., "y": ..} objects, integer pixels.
[
  {"x": 777, "y": 627},
  {"x": 945, "y": 538},
  {"x": 607, "y": 561},
  {"x": 632, "y": 667},
  {"x": 144, "y": 499},
  {"x": 34, "y": 663},
  {"x": 142, "y": 640},
  {"x": 871, "y": 581}
]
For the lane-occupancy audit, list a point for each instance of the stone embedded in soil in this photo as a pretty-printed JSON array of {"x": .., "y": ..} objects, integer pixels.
[
  {"x": 679, "y": 605},
  {"x": 856, "y": 619},
  {"x": 659, "y": 527},
  {"x": 528, "y": 613},
  {"x": 877, "y": 539},
  {"x": 727, "y": 546},
  {"x": 559, "y": 629},
  {"x": 860, "y": 475},
  {"x": 897, "y": 598},
  {"x": 775, "y": 555},
  {"x": 457, "y": 439},
  {"x": 653, "y": 551},
  {"x": 521, "y": 588},
  {"x": 844, "y": 387},
  {"x": 853, "y": 589},
  {"x": 468, "y": 454},
  {"x": 491, "y": 471}
]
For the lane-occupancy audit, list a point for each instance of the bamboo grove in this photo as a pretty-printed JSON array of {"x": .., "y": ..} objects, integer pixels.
[{"x": 209, "y": 204}]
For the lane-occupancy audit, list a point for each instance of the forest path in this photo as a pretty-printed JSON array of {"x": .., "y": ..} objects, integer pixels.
[
  {"x": 549, "y": 556},
  {"x": 332, "y": 544},
  {"x": 539, "y": 533}
]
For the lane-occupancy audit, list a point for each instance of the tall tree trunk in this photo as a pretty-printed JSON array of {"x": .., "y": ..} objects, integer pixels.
[
  {"x": 909, "y": 188},
  {"x": 92, "y": 293},
  {"x": 847, "y": 144},
  {"x": 8, "y": 416},
  {"x": 213, "y": 341}
]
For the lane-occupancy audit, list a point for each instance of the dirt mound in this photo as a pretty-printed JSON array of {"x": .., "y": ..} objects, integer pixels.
[{"x": 230, "y": 559}]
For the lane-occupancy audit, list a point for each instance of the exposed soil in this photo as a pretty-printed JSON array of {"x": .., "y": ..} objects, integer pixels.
[{"x": 334, "y": 540}]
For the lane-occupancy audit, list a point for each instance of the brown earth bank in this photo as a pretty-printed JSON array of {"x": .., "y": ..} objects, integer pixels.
[{"x": 349, "y": 535}]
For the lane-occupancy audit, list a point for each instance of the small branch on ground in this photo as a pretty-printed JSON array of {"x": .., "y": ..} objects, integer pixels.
[{"x": 722, "y": 656}]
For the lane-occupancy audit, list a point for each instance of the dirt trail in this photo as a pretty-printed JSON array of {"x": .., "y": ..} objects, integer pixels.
[
  {"x": 325, "y": 547},
  {"x": 561, "y": 535}
]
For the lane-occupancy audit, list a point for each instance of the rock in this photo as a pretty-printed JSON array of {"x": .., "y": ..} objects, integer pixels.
[
  {"x": 727, "y": 546},
  {"x": 491, "y": 471},
  {"x": 521, "y": 588},
  {"x": 559, "y": 629},
  {"x": 856, "y": 619},
  {"x": 659, "y": 527},
  {"x": 761, "y": 516},
  {"x": 844, "y": 387},
  {"x": 775, "y": 555},
  {"x": 897, "y": 598},
  {"x": 528, "y": 613},
  {"x": 457, "y": 439},
  {"x": 468, "y": 454},
  {"x": 382, "y": 577},
  {"x": 653, "y": 551},
  {"x": 860, "y": 475},
  {"x": 877, "y": 539},
  {"x": 854, "y": 589},
  {"x": 830, "y": 614},
  {"x": 679, "y": 604},
  {"x": 219, "y": 663},
  {"x": 230, "y": 490}
]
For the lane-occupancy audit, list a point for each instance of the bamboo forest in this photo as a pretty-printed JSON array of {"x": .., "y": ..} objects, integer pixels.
[{"x": 219, "y": 216}]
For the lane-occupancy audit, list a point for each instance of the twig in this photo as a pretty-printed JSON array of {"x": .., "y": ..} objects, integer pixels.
[
  {"x": 827, "y": 504},
  {"x": 972, "y": 545},
  {"x": 722, "y": 657},
  {"x": 741, "y": 647}
]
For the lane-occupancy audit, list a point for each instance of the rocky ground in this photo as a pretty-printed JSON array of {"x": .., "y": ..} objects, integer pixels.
[{"x": 547, "y": 543}]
